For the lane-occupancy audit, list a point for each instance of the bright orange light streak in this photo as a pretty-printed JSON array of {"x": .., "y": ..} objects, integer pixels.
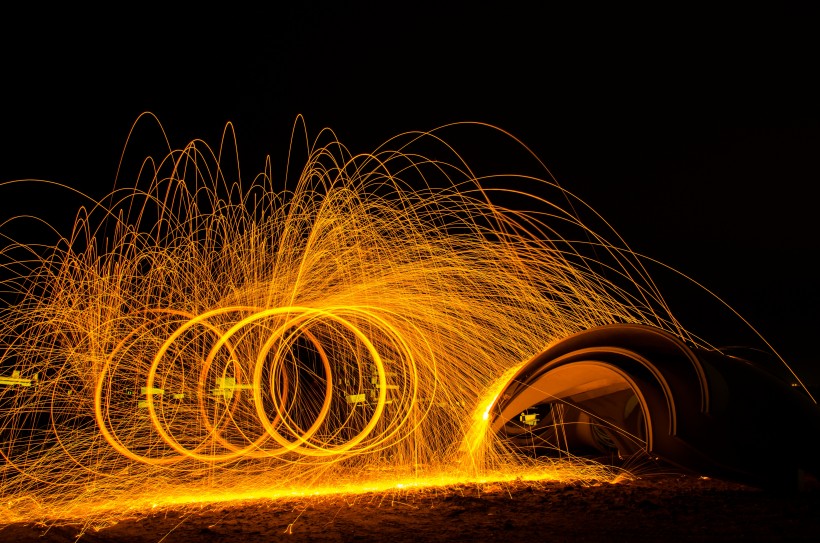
[{"x": 206, "y": 336}]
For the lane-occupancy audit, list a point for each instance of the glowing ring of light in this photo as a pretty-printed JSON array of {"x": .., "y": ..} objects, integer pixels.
[
  {"x": 296, "y": 446},
  {"x": 286, "y": 446},
  {"x": 282, "y": 416},
  {"x": 256, "y": 381},
  {"x": 223, "y": 340},
  {"x": 402, "y": 347},
  {"x": 110, "y": 438}
]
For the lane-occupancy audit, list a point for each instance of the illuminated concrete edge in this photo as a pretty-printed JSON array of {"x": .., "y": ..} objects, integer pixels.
[{"x": 701, "y": 410}]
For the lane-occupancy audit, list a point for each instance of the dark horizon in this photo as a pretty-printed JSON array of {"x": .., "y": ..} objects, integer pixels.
[{"x": 695, "y": 137}]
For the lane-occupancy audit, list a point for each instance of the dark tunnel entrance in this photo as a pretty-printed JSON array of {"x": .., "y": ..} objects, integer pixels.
[
  {"x": 586, "y": 409},
  {"x": 624, "y": 390}
]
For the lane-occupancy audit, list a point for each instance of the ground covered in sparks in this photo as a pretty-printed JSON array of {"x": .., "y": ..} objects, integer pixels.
[{"x": 668, "y": 507}]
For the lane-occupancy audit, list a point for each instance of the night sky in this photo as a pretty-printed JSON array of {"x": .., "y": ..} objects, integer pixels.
[{"x": 695, "y": 134}]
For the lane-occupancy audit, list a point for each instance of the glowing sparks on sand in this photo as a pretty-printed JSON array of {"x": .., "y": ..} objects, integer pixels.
[{"x": 197, "y": 336}]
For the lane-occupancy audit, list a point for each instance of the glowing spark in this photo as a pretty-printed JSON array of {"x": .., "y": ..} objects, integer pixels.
[{"x": 345, "y": 327}]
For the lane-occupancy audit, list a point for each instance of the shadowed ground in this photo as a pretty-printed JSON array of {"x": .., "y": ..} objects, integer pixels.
[{"x": 666, "y": 507}]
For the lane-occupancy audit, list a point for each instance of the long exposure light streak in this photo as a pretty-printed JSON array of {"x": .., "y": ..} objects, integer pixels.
[{"x": 199, "y": 335}]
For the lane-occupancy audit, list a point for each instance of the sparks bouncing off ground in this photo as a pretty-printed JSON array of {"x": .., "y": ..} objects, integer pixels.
[{"x": 344, "y": 326}]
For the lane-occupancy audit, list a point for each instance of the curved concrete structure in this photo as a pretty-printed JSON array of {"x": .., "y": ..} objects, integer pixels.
[{"x": 628, "y": 390}]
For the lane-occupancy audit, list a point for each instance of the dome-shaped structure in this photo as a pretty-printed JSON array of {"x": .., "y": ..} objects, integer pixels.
[{"x": 629, "y": 389}]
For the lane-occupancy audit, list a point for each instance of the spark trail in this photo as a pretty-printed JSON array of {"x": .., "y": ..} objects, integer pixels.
[{"x": 195, "y": 335}]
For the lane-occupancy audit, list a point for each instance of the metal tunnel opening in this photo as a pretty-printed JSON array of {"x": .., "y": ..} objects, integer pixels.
[{"x": 586, "y": 409}]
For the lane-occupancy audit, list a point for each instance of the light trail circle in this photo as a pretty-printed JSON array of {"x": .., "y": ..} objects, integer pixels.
[
  {"x": 281, "y": 428},
  {"x": 152, "y": 372},
  {"x": 254, "y": 449},
  {"x": 102, "y": 412},
  {"x": 313, "y": 450},
  {"x": 256, "y": 382}
]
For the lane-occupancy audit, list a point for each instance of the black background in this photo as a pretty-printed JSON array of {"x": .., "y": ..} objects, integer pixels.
[{"x": 695, "y": 133}]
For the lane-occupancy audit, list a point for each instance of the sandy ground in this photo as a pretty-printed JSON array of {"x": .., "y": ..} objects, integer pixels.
[{"x": 668, "y": 507}]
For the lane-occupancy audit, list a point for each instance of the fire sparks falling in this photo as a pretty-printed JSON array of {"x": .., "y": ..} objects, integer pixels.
[{"x": 197, "y": 337}]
